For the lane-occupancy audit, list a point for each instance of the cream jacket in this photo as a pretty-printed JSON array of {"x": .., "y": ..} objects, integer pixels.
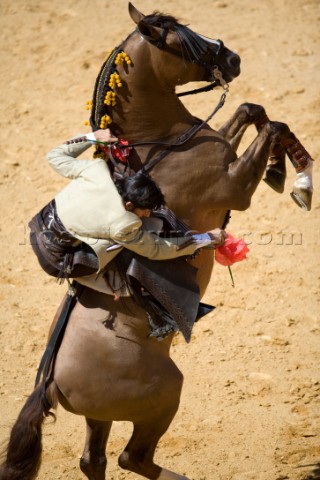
[{"x": 92, "y": 210}]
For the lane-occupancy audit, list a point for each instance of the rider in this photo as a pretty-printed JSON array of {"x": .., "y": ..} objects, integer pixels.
[{"x": 90, "y": 220}]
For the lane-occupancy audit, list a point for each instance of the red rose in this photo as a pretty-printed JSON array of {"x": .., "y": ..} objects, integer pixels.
[
  {"x": 120, "y": 154},
  {"x": 231, "y": 251}
]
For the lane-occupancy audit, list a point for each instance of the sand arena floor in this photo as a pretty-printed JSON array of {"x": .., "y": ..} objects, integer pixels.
[{"x": 250, "y": 403}]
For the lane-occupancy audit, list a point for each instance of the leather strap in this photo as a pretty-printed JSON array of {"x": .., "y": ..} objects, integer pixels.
[{"x": 48, "y": 358}]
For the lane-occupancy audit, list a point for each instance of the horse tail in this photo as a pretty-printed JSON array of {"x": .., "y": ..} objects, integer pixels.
[{"x": 24, "y": 449}]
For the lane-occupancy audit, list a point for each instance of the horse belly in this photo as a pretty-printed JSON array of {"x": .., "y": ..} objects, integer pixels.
[{"x": 112, "y": 370}]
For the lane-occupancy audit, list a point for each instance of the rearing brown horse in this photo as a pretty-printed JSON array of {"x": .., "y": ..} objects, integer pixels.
[{"x": 108, "y": 368}]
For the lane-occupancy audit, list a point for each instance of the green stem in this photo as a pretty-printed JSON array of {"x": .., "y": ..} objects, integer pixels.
[{"x": 230, "y": 271}]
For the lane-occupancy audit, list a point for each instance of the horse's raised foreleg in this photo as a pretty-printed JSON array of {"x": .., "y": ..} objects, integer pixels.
[
  {"x": 246, "y": 171},
  {"x": 275, "y": 174},
  {"x": 245, "y": 115},
  {"x": 250, "y": 114},
  {"x": 301, "y": 161},
  {"x": 93, "y": 461}
]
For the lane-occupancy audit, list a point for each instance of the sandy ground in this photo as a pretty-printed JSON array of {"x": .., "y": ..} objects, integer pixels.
[{"x": 250, "y": 404}]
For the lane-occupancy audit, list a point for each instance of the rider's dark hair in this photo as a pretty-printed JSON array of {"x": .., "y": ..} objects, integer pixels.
[{"x": 141, "y": 191}]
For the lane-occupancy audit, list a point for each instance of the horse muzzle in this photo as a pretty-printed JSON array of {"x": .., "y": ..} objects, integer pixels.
[{"x": 229, "y": 67}]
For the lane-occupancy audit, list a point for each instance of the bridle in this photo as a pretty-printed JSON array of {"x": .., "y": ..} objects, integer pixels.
[{"x": 207, "y": 65}]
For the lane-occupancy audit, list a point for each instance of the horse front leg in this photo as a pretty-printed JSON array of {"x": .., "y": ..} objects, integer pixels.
[
  {"x": 93, "y": 461},
  {"x": 301, "y": 161},
  {"x": 275, "y": 173},
  {"x": 245, "y": 115},
  {"x": 247, "y": 170},
  {"x": 233, "y": 130}
]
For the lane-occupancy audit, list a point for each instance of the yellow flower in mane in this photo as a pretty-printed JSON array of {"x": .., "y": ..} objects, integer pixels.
[
  {"x": 121, "y": 58},
  {"x": 114, "y": 80},
  {"x": 89, "y": 105},
  {"x": 110, "y": 98},
  {"x": 105, "y": 121}
]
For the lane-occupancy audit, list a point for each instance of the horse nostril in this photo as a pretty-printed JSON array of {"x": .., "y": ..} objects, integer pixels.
[{"x": 234, "y": 60}]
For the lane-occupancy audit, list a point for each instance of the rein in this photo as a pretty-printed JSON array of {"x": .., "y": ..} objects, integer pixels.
[
  {"x": 182, "y": 139},
  {"x": 185, "y": 137},
  {"x": 207, "y": 88}
]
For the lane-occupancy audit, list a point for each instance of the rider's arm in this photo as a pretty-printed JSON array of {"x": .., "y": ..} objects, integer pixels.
[
  {"x": 152, "y": 246},
  {"x": 63, "y": 158}
]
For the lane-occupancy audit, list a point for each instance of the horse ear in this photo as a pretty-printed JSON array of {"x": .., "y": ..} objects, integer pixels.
[
  {"x": 152, "y": 33},
  {"x": 135, "y": 14}
]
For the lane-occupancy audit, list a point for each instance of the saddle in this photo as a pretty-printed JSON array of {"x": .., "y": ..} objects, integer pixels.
[
  {"x": 166, "y": 289},
  {"x": 59, "y": 253}
]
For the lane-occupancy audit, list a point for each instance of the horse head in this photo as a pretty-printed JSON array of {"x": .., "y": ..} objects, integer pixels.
[
  {"x": 168, "y": 35},
  {"x": 138, "y": 97}
]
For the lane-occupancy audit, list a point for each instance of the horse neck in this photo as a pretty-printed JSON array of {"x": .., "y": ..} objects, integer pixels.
[
  {"x": 147, "y": 109},
  {"x": 155, "y": 111}
]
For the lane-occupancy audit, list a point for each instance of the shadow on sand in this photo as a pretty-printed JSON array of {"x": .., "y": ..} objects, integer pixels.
[{"x": 315, "y": 474}]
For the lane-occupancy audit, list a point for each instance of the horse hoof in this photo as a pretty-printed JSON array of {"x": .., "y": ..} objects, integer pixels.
[
  {"x": 168, "y": 475},
  {"x": 302, "y": 198},
  {"x": 275, "y": 179}
]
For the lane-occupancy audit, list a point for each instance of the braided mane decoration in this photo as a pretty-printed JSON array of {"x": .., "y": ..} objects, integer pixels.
[
  {"x": 102, "y": 87},
  {"x": 104, "y": 95}
]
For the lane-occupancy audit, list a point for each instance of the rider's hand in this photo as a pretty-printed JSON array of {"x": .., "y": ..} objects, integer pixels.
[
  {"x": 218, "y": 237},
  {"x": 105, "y": 136}
]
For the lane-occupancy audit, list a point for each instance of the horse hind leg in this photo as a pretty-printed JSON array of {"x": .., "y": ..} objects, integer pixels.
[
  {"x": 93, "y": 461},
  {"x": 138, "y": 454},
  {"x": 157, "y": 413}
]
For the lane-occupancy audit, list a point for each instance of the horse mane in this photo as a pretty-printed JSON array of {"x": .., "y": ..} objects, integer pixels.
[
  {"x": 192, "y": 44},
  {"x": 158, "y": 19}
]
